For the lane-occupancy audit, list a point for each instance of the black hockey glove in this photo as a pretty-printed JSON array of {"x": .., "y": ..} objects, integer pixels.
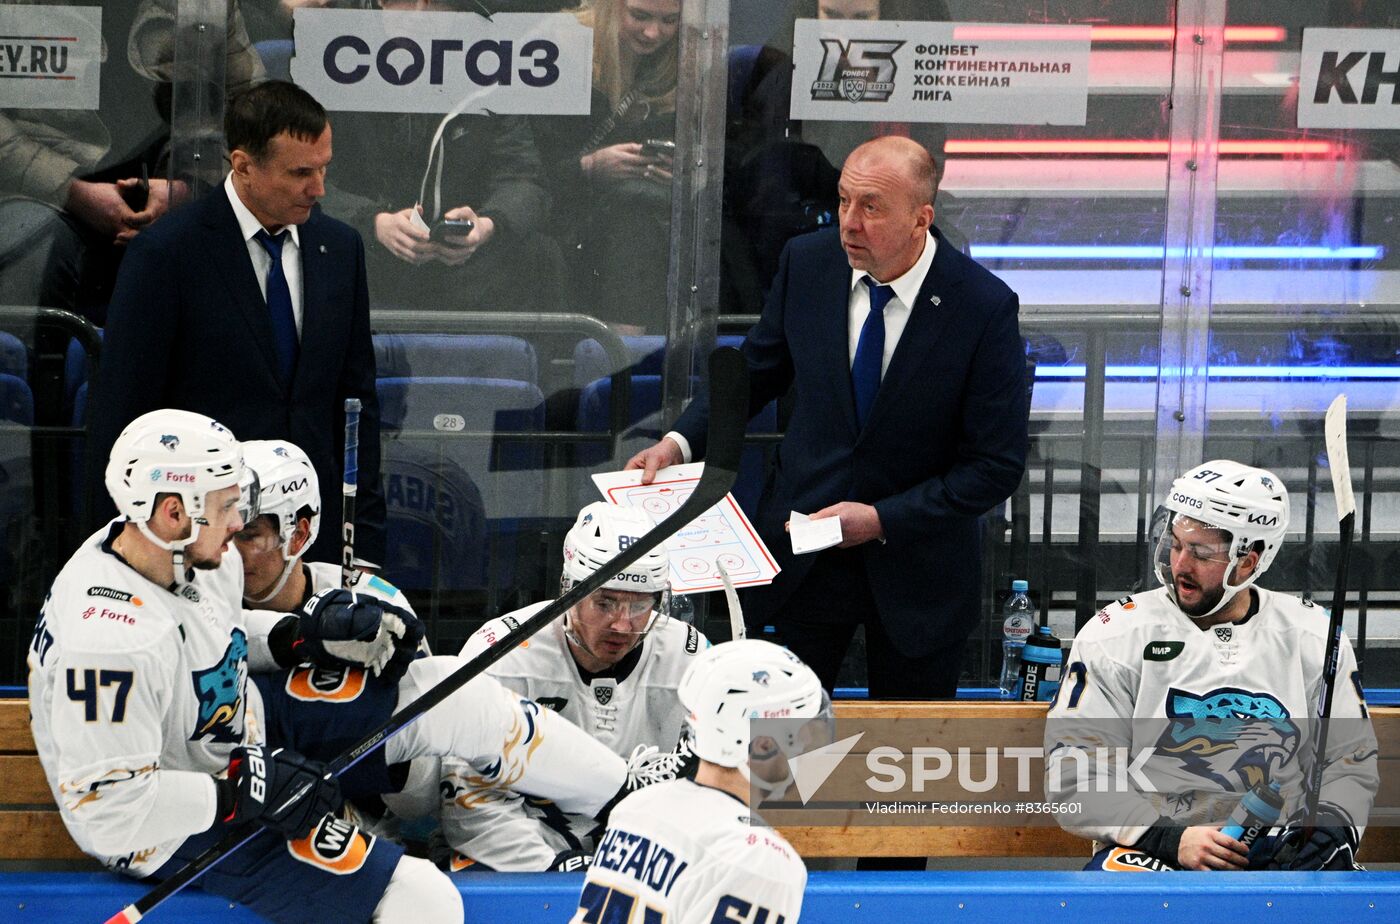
[
  {"x": 1329, "y": 846},
  {"x": 262, "y": 787},
  {"x": 339, "y": 628},
  {"x": 571, "y": 861}
]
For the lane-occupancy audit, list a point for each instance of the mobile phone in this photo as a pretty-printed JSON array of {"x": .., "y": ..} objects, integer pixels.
[
  {"x": 137, "y": 196},
  {"x": 446, "y": 231},
  {"x": 656, "y": 149}
]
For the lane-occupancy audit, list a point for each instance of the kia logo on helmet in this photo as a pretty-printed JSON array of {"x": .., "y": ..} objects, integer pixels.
[{"x": 1264, "y": 519}]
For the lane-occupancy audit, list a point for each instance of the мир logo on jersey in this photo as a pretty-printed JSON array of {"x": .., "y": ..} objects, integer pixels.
[{"x": 861, "y": 69}]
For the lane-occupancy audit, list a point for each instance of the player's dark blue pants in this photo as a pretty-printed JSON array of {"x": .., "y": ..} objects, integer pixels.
[{"x": 338, "y": 873}]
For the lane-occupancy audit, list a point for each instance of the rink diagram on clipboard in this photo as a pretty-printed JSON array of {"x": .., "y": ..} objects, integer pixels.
[{"x": 722, "y": 535}]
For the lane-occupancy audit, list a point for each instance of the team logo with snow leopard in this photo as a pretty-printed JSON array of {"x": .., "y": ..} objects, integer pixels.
[
  {"x": 220, "y": 692},
  {"x": 170, "y": 441},
  {"x": 861, "y": 69},
  {"x": 1234, "y": 737}
]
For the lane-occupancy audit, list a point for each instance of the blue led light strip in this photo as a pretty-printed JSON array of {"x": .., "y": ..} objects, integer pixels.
[
  {"x": 1152, "y": 252},
  {"x": 1232, "y": 372}
]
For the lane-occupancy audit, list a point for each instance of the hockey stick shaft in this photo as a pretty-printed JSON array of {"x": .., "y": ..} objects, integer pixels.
[
  {"x": 349, "y": 485},
  {"x": 729, "y": 385},
  {"x": 1338, "y": 461}
]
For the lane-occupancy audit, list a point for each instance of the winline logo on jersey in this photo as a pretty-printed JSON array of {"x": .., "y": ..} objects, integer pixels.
[{"x": 1195, "y": 763}]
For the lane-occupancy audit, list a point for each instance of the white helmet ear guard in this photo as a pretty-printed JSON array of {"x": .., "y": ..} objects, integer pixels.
[
  {"x": 730, "y": 686},
  {"x": 1250, "y": 505},
  {"x": 173, "y": 452}
]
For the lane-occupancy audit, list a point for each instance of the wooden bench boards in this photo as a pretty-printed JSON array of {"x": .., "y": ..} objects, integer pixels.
[{"x": 30, "y": 827}]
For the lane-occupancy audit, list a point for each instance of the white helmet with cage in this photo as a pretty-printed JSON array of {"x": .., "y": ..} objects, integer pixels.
[
  {"x": 287, "y": 485},
  {"x": 600, "y": 532},
  {"x": 733, "y": 684},
  {"x": 175, "y": 452},
  {"x": 1249, "y": 504}
]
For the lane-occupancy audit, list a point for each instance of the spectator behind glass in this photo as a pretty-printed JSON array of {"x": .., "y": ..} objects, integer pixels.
[
  {"x": 72, "y": 194},
  {"x": 780, "y": 174},
  {"x": 612, "y": 189},
  {"x": 490, "y": 176}
]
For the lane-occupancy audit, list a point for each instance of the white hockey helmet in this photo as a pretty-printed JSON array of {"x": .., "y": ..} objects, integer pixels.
[
  {"x": 175, "y": 452},
  {"x": 599, "y": 533},
  {"x": 733, "y": 684},
  {"x": 1249, "y": 504},
  {"x": 287, "y": 484}
]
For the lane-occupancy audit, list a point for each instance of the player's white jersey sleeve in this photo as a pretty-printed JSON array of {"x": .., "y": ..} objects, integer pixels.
[
  {"x": 136, "y": 697},
  {"x": 687, "y": 854},
  {"x": 1089, "y": 732}
]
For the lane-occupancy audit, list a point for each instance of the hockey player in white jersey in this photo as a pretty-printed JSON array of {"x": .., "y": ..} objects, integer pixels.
[
  {"x": 693, "y": 851},
  {"x": 153, "y": 741},
  {"x": 1220, "y": 679},
  {"x": 277, "y": 578},
  {"x": 611, "y": 666}
]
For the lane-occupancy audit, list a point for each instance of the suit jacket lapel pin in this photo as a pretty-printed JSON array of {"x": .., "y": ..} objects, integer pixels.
[
  {"x": 936, "y": 300},
  {"x": 322, "y": 248}
]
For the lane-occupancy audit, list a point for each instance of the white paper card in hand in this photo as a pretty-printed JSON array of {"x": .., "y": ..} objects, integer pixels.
[
  {"x": 809, "y": 535},
  {"x": 721, "y": 534}
]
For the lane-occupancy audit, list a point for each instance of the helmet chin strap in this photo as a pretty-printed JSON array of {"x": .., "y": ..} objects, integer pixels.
[
  {"x": 1228, "y": 594},
  {"x": 768, "y": 788},
  {"x": 176, "y": 547},
  {"x": 286, "y": 575}
]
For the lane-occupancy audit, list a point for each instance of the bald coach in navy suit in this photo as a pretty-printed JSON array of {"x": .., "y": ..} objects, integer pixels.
[
  {"x": 254, "y": 274},
  {"x": 908, "y": 430}
]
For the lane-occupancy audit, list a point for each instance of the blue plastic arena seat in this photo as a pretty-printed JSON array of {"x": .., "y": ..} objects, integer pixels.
[
  {"x": 591, "y": 362},
  {"x": 457, "y": 501},
  {"x": 479, "y": 356},
  {"x": 14, "y": 356}
]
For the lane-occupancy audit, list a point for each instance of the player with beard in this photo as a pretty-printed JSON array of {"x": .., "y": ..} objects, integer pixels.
[{"x": 1219, "y": 677}]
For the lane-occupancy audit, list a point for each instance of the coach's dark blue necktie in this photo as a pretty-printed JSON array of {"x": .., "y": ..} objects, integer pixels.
[
  {"x": 279, "y": 306},
  {"x": 870, "y": 351}
]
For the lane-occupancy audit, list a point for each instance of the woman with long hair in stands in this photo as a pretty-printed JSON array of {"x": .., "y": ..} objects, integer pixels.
[{"x": 612, "y": 170}]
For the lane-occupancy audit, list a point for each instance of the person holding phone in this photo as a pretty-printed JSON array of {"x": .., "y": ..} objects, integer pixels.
[
  {"x": 468, "y": 238},
  {"x": 611, "y": 170}
]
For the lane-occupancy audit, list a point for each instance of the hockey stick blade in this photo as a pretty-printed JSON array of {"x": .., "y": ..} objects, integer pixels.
[
  {"x": 731, "y": 600},
  {"x": 729, "y": 402},
  {"x": 1334, "y": 430}
]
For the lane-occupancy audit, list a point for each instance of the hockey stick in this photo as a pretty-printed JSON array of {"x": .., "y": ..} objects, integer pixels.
[
  {"x": 729, "y": 389},
  {"x": 348, "y": 486},
  {"x": 731, "y": 600},
  {"x": 1334, "y": 431}
]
